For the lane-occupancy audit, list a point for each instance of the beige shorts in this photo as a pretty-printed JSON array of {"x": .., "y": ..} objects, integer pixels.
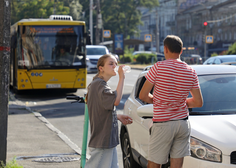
[{"x": 170, "y": 138}]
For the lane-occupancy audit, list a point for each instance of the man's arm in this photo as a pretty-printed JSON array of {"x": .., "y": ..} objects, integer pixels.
[
  {"x": 196, "y": 100},
  {"x": 145, "y": 94}
]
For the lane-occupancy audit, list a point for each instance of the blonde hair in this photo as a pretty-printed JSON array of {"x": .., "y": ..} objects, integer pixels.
[{"x": 101, "y": 62}]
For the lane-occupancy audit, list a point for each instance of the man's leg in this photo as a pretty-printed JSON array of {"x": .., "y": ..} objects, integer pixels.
[
  {"x": 153, "y": 165},
  {"x": 176, "y": 162}
]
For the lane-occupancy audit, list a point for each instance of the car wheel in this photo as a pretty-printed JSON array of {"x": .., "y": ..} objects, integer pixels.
[{"x": 128, "y": 160}]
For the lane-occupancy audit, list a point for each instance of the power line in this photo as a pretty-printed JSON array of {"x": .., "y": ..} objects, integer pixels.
[{"x": 220, "y": 20}]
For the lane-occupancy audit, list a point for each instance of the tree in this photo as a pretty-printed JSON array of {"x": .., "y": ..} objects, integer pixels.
[
  {"x": 232, "y": 49},
  {"x": 75, "y": 9},
  {"x": 42, "y": 8},
  {"x": 123, "y": 16},
  {"x": 120, "y": 16},
  {"x": 5, "y": 8}
]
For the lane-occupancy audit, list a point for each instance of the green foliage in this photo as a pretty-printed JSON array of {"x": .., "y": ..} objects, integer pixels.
[
  {"x": 232, "y": 49},
  {"x": 120, "y": 16},
  {"x": 127, "y": 59},
  {"x": 43, "y": 9},
  {"x": 214, "y": 54},
  {"x": 128, "y": 50},
  {"x": 152, "y": 58},
  {"x": 11, "y": 164},
  {"x": 146, "y": 58}
]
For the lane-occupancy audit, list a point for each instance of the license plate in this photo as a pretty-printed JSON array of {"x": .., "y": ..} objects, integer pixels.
[{"x": 53, "y": 85}]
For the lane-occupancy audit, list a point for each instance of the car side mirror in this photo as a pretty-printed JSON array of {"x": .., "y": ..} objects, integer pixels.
[{"x": 145, "y": 111}]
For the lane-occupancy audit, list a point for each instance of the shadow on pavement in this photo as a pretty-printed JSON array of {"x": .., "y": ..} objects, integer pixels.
[{"x": 55, "y": 109}]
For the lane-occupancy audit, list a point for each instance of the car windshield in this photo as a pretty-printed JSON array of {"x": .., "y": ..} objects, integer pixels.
[
  {"x": 229, "y": 59},
  {"x": 219, "y": 92},
  {"x": 96, "y": 51}
]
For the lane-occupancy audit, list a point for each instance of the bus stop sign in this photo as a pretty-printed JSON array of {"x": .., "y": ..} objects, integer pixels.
[
  {"x": 106, "y": 33},
  {"x": 209, "y": 39}
]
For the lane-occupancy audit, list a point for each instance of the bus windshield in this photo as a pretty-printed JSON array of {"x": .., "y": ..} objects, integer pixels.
[{"x": 51, "y": 47}]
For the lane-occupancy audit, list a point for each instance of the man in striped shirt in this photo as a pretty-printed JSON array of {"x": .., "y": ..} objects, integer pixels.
[{"x": 172, "y": 80}]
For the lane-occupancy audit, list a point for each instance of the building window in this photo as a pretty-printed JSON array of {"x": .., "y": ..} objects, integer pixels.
[
  {"x": 225, "y": 36},
  {"x": 230, "y": 36}
]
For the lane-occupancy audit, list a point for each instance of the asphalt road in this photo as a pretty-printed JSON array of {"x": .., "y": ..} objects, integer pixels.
[{"x": 69, "y": 117}]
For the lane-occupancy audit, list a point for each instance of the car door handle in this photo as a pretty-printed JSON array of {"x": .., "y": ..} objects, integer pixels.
[{"x": 129, "y": 109}]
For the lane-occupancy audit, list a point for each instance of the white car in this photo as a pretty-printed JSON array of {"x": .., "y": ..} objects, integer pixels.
[
  {"x": 213, "y": 126},
  {"x": 94, "y": 52}
]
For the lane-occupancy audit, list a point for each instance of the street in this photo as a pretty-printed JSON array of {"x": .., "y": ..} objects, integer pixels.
[{"x": 69, "y": 117}]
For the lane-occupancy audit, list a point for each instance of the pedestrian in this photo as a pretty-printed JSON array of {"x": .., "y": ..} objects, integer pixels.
[
  {"x": 172, "y": 80},
  {"x": 102, "y": 102}
]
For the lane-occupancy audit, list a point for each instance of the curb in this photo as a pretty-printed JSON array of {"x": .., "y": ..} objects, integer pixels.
[{"x": 14, "y": 103}]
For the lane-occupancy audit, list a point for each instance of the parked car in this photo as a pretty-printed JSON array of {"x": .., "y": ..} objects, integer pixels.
[
  {"x": 220, "y": 59},
  {"x": 160, "y": 57},
  {"x": 143, "y": 52},
  {"x": 213, "y": 126},
  {"x": 94, "y": 52},
  {"x": 116, "y": 56},
  {"x": 191, "y": 59}
]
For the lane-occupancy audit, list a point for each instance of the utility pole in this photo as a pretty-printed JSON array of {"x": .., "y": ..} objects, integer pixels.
[
  {"x": 91, "y": 20},
  {"x": 5, "y": 9},
  {"x": 99, "y": 23},
  {"x": 157, "y": 32}
]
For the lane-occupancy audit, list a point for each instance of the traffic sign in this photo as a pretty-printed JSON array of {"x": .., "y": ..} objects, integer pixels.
[
  {"x": 148, "y": 37},
  {"x": 106, "y": 33},
  {"x": 209, "y": 39}
]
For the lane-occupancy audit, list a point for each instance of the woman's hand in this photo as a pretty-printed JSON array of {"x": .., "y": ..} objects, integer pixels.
[
  {"x": 124, "y": 119},
  {"x": 121, "y": 71}
]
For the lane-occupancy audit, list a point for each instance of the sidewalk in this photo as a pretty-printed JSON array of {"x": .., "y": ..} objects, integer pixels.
[{"x": 35, "y": 143}]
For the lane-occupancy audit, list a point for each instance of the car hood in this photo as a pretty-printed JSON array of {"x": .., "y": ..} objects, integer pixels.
[
  {"x": 216, "y": 130},
  {"x": 93, "y": 56}
]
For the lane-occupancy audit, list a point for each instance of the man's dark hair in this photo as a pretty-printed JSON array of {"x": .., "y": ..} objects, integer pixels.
[{"x": 173, "y": 43}]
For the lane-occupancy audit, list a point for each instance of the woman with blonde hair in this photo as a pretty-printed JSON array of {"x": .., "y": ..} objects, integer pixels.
[{"x": 101, "y": 102}]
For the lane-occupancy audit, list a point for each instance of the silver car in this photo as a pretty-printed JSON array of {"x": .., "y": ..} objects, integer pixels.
[
  {"x": 213, "y": 126},
  {"x": 94, "y": 52}
]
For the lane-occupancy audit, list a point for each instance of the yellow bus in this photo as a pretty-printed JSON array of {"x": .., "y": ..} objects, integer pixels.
[{"x": 48, "y": 54}]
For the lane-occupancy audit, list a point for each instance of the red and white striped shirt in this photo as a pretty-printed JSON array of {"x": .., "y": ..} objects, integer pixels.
[{"x": 172, "y": 81}]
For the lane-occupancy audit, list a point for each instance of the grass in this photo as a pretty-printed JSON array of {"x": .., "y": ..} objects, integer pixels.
[{"x": 11, "y": 164}]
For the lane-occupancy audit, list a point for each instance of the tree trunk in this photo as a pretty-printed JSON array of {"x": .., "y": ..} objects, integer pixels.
[{"x": 5, "y": 9}]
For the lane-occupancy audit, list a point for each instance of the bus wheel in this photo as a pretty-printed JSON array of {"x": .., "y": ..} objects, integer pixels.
[
  {"x": 16, "y": 91},
  {"x": 73, "y": 90}
]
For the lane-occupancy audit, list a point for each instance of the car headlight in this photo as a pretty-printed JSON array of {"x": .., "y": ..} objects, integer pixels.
[
  {"x": 203, "y": 151},
  {"x": 87, "y": 60}
]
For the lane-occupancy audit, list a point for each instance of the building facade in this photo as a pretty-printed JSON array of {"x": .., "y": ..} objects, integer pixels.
[
  {"x": 220, "y": 17},
  {"x": 185, "y": 18},
  {"x": 158, "y": 22}
]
